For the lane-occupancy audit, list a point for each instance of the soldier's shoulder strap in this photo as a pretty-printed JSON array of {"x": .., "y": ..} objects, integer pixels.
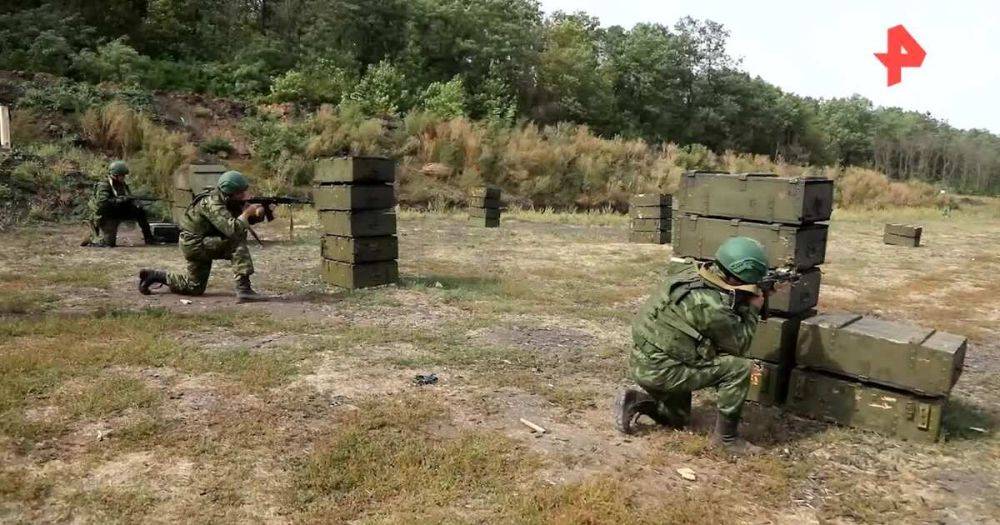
[
  {"x": 200, "y": 197},
  {"x": 685, "y": 282}
]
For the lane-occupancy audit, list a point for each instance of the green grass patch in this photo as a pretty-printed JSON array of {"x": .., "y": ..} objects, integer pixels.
[
  {"x": 60, "y": 361},
  {"x": 383, "y": 460}
]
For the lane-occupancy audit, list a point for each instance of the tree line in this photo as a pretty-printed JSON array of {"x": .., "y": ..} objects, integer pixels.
[{"x": 496, "y": 60}]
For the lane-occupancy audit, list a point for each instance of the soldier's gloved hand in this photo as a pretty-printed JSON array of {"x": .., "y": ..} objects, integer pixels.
[
  {"x": 253, "y": 213},
  {"x": 757, "y": 301}
]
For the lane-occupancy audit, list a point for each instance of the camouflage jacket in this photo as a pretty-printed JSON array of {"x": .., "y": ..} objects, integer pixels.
[
  {"x": 106, "y": 195},
  {"x": 691, "y": 320},
  {"x": 212, "y": 215}
]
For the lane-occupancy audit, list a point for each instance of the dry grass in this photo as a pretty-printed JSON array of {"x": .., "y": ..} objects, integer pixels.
[
  {"x": 153, "y": 152},
  {"x": 303, "y": 409}
]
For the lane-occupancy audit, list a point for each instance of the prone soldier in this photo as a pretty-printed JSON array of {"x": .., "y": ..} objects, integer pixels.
[
  {"x": 691, "y": 334},
  {"x": 110, "y": 205},
  {"x": 214, "y": 227}
]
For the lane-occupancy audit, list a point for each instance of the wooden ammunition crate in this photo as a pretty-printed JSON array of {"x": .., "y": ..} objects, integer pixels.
[
  {"x": 356, "y": 250},
  {"x": 891, "y": 353},
  {"x": 355, "y": 170},
  {"x": 345, "y": 197},
  {"x": 366, "y": 275},
  {"x": 756, "y": 196},
  {"x": 365, "y": 223},
  {"x": 840, "y": 400}
]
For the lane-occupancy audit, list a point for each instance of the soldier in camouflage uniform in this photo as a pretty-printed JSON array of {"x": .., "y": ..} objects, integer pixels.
[
  {"x": 692, "y": 334},
  {"x": 111, "y": 204},
  {"x": 214, "y": 227}
]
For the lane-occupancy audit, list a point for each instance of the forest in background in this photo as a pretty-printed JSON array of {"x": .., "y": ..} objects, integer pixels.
[{"x": 499, "y": 66}]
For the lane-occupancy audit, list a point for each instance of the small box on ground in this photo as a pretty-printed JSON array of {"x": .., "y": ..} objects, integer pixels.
[
  {"x": 485, "y": 222},
  {"x": 485, "y": 213},
  {"x": 851, "y": 403},
  {"x": 800, "y": 247},
  {"x": 756, "y": 196},
  {"x": 355, "y": 170},
  {"x": 345, "y": 197},
  {"x": 365, "y": 275},
  {"x": 902, "y": 235},
  {"x": 485, "y": 192},
  {"x": 483, "y": 202},
  {"x": 357, "y": 250},
  {"x": 165, "y": 232},
  {"x": 890, "y": 353},
  {"x": 363, "y": 223}
]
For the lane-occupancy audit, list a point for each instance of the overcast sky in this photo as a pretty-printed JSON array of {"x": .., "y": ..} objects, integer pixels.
[{"x": 825, "y": 49}]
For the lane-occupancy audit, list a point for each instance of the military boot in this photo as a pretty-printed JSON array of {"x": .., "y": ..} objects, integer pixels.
[
  {"x": 726, "y": 437},
  {"x": 245, "y": 293},
  {"x": 148, "y": 278},
  {"x": 628, "y": 406}
]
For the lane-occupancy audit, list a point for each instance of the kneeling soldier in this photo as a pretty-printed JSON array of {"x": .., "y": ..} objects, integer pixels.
[
  {"x": 691, "y": 334},
  {"x": 111, "y": 204},
  {"x": 214, "y": 227}
]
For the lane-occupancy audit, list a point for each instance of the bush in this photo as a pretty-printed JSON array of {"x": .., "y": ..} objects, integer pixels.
[
  {"x": 381, "y": 91},
  {"x": 115, "y": 61},
  {"x": 321, "y": 83},
  {"x": 76, "y": 97},
  {"x": 445, "y": 100},
  {"x": 215, "y": 146}
]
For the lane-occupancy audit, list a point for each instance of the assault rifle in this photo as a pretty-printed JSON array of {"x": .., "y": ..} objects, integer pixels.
[
  {"x": 267, "y": 202},
  {"x": 141, "y": 198},
  {"x": 772, "y": 280}
]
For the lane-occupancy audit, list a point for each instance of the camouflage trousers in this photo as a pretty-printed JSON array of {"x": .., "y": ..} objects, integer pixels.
[
  {"x": 200, "y": 252},
  {"x": 670, "y": 383},
  {"x": 105, "y": 226}
]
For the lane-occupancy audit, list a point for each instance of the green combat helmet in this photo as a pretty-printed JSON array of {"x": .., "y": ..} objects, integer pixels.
[
  {"x": 233, "y": 182},
  {"x": 744, "y": 258},
  {"x": 118, "y": 168}
]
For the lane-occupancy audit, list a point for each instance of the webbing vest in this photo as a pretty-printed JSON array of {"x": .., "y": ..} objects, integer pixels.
[{"x": 661, "y": 324}]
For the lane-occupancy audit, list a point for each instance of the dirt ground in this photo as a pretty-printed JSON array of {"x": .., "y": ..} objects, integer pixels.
[{"x": 118, "y": 407}]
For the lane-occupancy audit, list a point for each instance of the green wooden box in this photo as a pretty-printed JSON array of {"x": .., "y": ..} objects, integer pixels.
[
  {"x": 357, "y": 250},
  {"x": 485, "y": 213},
  {"x": 653, "y": 237},
  {"x": 355, "y": 170},
  {"x": 890, "y": 353},
  {"x": 800, "y": 247},
  {"x": 366, "y": 275},
  {"x": 756, "y": 196},
  {"x": 354, "y": 197},
  {"x": 364, "y": 223},
  {"x": 850, "y": 403}
]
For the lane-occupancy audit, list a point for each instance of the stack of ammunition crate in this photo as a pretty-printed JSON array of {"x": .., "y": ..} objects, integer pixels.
[
  {"x": 650, "y": 215},
  {"x": 484, "y": 206},
  {"x": 356, "y": 202},
  {"x": 886, "y": 376},
  {"x": 190, "y": 181},
  {"x": 902, "y": 235},
  {"x": 784, "y": 215}
]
